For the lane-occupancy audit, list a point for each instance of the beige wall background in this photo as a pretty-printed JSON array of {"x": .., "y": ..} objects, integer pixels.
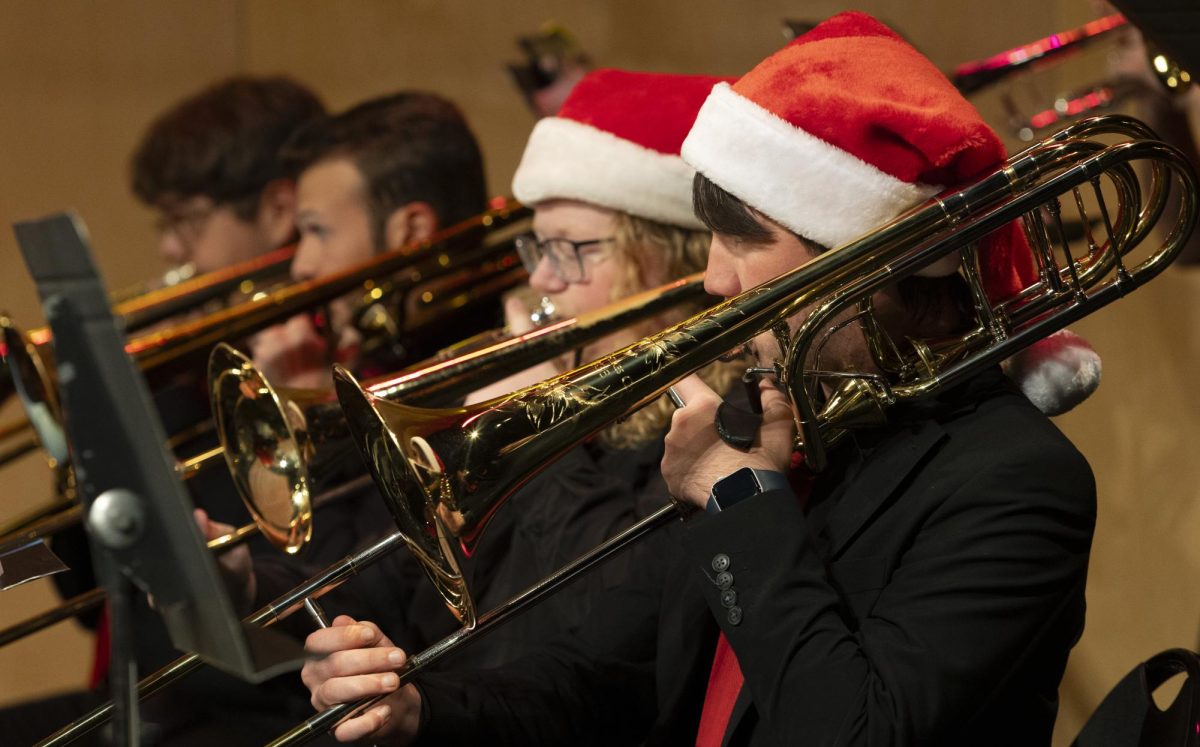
[{"x": 79, "y": 79}]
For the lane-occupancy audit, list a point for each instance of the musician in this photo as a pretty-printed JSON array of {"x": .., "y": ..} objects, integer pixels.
[
  {"x": 924, "y": 589},
  {"x": 210, "y": 167},
  {"x": 1174, "y": 115},
  {"x": 384, "y": 174},
  {"x": 612, "y": 216}
]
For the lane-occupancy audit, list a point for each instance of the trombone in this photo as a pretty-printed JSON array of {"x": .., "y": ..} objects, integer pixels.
[
  {"x": 972, "y": 77},
  {"x": 464, "y": 245},
  {"x": 286, "y": 524},
  {"x": 541, "y": 422},
  {"x": 445, "y": 472},
  {"x": 480, "y": 242},
  {"x": 179, "y": 292},
  {"x": 292, "y": 440},
  {"x": 328, "y": 580},
  {"x": 293, "y": 431}
]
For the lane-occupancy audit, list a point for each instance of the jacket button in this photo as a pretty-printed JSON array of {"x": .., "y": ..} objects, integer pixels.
[
  {"x": 734, "y": 615},
  {"x": 720, "y": 562},
  {"x": 728, "y": 598},
  {"x": 724, "y": 580}
]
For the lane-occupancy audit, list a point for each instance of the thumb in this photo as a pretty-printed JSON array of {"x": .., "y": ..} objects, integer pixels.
[
  {"x": 774, "y": 401},
  {"x": 516, "y": 315}
]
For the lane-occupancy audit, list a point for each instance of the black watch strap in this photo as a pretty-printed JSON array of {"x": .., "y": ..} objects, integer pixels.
[{"x": 742, "y": 484}]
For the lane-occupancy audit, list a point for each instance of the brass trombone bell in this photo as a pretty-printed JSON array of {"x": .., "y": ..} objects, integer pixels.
[
  {"x": 287, "y": 442},
  {"x": 482, "y": 240},
  {"x": 444, "y": 472},
  {"x": 285, "y": 521}
]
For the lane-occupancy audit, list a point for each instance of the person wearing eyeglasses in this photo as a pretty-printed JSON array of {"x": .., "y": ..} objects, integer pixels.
[
  {"x": 924, "y": 588},
  {"x": 612, "y": 216},
  {"x": 210, "y": 167},
  {"x": 612, "y": 213}
]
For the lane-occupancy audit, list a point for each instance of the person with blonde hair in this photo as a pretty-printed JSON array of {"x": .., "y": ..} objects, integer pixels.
[
  {"x": 612, "y": 216},
  {"x": 924, "y": 588}
]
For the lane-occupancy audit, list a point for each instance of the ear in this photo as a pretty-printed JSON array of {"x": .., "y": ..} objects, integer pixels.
[
  {"x": 277, "y": 211},
  {"x": 416, "y": 221}
]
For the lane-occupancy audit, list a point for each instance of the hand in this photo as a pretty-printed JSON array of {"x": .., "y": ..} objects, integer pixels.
[
  {"x": 358, "y": 661},
  {"x": 517, "y": 319},
  {"x": 292, "y": 354},
  {"x": 695, "y": 455},
  {"x": 236, "y": 565}
]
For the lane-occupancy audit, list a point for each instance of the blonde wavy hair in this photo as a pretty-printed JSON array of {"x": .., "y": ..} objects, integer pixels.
[{"x": 652, "y": 253}]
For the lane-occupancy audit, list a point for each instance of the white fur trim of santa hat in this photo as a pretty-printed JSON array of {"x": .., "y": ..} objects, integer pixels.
[
  {"x": 821, "y": 192},
  {"x": 565, "y": 159},
  {"x": 1056, "y": 373}
]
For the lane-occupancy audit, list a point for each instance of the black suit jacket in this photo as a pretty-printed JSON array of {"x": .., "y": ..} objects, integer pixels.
[
  {"x": 575, "y": 504},
  {"x": 928, "y": 595}
]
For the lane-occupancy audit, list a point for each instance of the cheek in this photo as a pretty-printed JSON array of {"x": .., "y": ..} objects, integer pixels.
[
  {"x": 599, "y": 292},
  {"x": 344, "y": 253},
  {"x": 226, "y": 240}
]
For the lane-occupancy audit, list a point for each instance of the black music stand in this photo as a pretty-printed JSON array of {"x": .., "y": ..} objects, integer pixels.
[{"x": 138, "y": 516}]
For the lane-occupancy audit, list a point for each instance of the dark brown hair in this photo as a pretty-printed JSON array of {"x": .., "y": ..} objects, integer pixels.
[
  {"x": 411, "y": 146},
  {"x": 223, "y": 142},
  {"x": 926, "y": 298}
]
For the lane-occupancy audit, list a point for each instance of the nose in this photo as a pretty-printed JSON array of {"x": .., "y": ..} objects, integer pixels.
[
  {"x": 720, "y": 277},
  {"x": 545, "y": 280},
  {"x": 305, "y": 263},
  {"x": 171, "y": 248}
]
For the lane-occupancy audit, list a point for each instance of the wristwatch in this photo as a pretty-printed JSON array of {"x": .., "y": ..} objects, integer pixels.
[{"x": 738, "y": 486}]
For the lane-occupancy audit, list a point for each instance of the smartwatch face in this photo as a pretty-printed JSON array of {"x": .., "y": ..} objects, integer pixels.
[{"x": 735, "y": 487}]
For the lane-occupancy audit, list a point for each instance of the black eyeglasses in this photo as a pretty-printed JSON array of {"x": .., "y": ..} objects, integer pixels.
[
  {"x": 185, "y": 221},
  {"x": 568, "y": 259}
]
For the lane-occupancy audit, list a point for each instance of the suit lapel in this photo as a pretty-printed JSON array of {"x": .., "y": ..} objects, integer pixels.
[
  {"x": 740, "y": 707},
  {"x": 888, "y": 467}
]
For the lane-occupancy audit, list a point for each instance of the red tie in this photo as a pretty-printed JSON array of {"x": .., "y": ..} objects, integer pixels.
[
  {"x": 724, "y": 683},
  {"x": 725, "y": 679},
  {"x": 100, "y": 659}
]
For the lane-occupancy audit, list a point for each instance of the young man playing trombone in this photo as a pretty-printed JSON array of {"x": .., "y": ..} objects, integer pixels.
[
  {"x": 211, "y": 167},
  {"x": 384, "y": 174},
  {"x": 924, "y": 588}
]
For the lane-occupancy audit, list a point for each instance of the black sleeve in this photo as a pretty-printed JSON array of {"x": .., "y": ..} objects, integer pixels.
[
  {"x": 380, "y": 593},
  {"x": 991, "y": 567},
  {"x": 570, "y": 508},
  {"x": 596, "y": 687}
]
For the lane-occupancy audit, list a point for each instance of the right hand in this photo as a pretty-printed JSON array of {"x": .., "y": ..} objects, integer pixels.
[
  {"x": 358, "y": 661},
  {"x": 517, "y": 320},
  {"x": 292, "y": 354}
]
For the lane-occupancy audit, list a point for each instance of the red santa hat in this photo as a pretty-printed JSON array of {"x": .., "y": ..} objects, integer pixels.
[
  {"x": 846, "y": 128},
  {"x": 615, "y": 143}
]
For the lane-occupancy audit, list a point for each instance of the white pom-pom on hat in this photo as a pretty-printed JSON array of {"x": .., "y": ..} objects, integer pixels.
[{"x": 1056, "y": 373}]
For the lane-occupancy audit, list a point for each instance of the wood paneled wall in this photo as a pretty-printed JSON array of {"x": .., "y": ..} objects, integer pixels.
[{"x": 79, "y": 79}]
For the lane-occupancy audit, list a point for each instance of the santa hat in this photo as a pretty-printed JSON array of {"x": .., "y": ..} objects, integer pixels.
[
  {"x": 846, "y": 128},
  {"x": 615, "y": 143}
]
